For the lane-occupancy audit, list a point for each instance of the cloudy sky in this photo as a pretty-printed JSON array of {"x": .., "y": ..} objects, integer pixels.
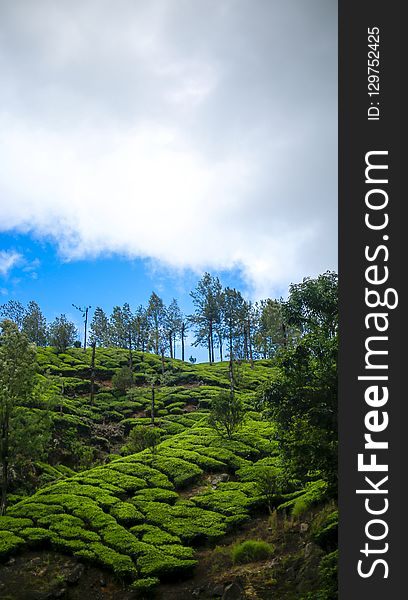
[{"x": 174, "y": 136}]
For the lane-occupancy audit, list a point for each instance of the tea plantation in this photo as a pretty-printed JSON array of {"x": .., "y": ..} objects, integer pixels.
[{"x": 144, "y": 516}]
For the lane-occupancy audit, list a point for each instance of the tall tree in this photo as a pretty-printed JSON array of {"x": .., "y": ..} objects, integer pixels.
[
  {"x": 34, "y": 324},
  {"x": 99, "y": 328},
  {"x": 183, "y": 330},
  {"x": 140, "y": 327},
  {"x": 206, "y": 299},
  {"x": 119, "y": 326},
  {"x": 14, "y": 311},
  {"x": 234, "y": 321},
  {"x": 174, "y": 321},
  {"x": 303, "y": 397},
  {"x": 156, "y": 316},
  {"x": 62, "y": 333},
  {"x": 313, "y": 304},
  {"x": 17, "y": 370}
]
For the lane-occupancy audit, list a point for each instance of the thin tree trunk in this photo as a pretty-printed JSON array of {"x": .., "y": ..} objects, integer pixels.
[
  {"x": 130, "y": 354},
  {"x": 4, "y": 462},
  {"x": 251, "y": 358},
  {"x": 245, "y": 343},
  {"x": 174, "y": 345},
  {"x": 93, "y": 373},
  {"x": 220, "y": 343},
  {"x": 171, "y": 344},
  {"x": 162, "y": 359},
  {"x": 152, "y": 408},
  {"x": 211, "y": 342},
  {"x": 209, "y": 348},
  {"x": 285, "y": 336},
  {"x": 183, "y": 328},
  {"x": 86, "y": 325}
]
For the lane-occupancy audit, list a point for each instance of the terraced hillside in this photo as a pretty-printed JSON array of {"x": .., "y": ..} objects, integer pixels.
[{"x": 144, "y": 517}]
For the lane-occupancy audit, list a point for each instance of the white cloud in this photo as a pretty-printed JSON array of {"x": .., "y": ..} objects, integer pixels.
[
  {"x": 8, "y": 260},
  {"x": 200, "y": 135}
]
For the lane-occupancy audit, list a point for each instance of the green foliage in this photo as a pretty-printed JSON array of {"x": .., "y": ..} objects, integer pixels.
[
  {"x": 252, "y": 551},
  {"x": 9, "y": 542},
  {"x": 122, "y": 379},
  {"x": 126, "y": 513},
  {"x": 62, "y": 333},
  {"x": 141, "y": 438},
  {"x": 17, "y": 369},
  {"x": 227, "y": 414},
  {"x": 145, "y": 584},
  {"x": 325, "y": 531}
]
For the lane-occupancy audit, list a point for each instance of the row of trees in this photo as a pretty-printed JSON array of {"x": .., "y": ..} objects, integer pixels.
[
  {"x": 30, "y": 320},
  {"x": 223, "y": 321}
]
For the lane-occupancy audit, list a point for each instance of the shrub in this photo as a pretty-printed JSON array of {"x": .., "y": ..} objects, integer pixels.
[
  {"x": 122, "y": 379},
  {"x": 142, "y": 437},
  {"x": 251, "y": 551}
]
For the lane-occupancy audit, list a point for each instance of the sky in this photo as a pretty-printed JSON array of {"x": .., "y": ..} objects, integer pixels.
[{"x": 144, "y": 142}]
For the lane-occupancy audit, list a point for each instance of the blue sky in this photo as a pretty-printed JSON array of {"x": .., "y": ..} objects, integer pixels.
[
  {"x": 40, "y": 274},
  {"x": 143, "y": 143}
]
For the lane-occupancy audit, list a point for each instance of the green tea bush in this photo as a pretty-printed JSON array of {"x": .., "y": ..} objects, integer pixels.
[
  {"x": 154, "y": 535},
  {"x": 155, "y": 495},
  {"x": 126, "y": 513},
  {"x": 9, "y": 542}
]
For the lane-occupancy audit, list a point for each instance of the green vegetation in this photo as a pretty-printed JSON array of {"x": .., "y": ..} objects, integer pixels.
[
  {"x": 141, "y": 460},
  {"x": 251, "y": 551}
]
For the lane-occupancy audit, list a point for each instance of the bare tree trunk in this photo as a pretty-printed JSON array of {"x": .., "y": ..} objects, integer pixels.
[
  {"x": 171, "y": 344},
  {"x": 86, "y": 326},
  {"x": 93, "y": 373},
  {"x": 183, "y": 328},
  {"x": 220, "y": 343},
  {"x": 130, "y": 354},
  {"x": 231, "y": 376},
  {"x": 209, "y": 348},
  {"x": 152, "y": 408},
  {"x": 174, "y": 345},
  {"x": 285, "y": 336},
  {"x": 162, "y": 359},
  {"x": 245, "y": 343},
  {"x": 4, "y": 462},
  {"x": 251, "y": 358},
  {"x": 212, "y": 348}
]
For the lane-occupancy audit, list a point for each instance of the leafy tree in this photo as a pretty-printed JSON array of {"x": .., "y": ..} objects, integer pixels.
[
  {"x": 207, "y": 300},
  {"x": 313, "y": 304},
  {"x": 34, "y": 324},
  {"x": 303, "y": 398},
  {"x": 62, "y": 333},
  {"x": 142, "y": 437},
  {"x": 273, "y": 331},
  {"x": 227, "y": 413},
  {"x": 140, "y": 327},
  {"x": 123, "y": 379},
  {"x": 14, "y": 311},
  {"x": 120, "y": 326},
  {"x": 174, "y": 322},
  {"x": 234, "y": 319},
  {"x": 100, "y": 334},
  {"x": 17, "y": 371},
  {"x": 156, "y": 316}
]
